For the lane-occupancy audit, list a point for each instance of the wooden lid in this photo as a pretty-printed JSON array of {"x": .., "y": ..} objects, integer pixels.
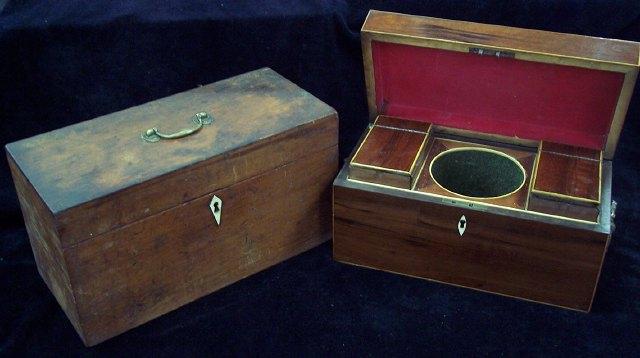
[
  {"x": 514, "y": 82},
  {"x": 104, "y": 165}
]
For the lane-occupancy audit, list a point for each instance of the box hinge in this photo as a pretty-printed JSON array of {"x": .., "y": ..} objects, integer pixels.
[{"x": 490, "y": 52}]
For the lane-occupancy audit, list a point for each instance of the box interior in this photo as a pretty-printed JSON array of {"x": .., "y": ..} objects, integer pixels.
[
  {"x": 479, "y": 170},
  {"x": 499, "y": 95}
]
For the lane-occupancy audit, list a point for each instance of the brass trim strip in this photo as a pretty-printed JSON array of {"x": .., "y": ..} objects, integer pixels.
[
  {"x": 575, "y": 156},
  {"x": 401, "y": 129},
  {"x": 389, "y": 170}
]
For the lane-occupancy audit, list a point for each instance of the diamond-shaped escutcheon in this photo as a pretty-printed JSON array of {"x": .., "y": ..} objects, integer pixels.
[
  {"x": 462, "y": 225},
  {"x": 216, "y": 208}
]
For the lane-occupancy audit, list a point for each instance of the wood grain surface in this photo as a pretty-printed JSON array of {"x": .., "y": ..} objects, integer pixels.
[
  {"x": 128, "y": 276},
  {"x": 117, "y": 178},
  {"x": 521, "y": 258},
  {"x": 390, "y": 152},
  {"x": 45, "y": 244},
  {"x": 569, "y": 171},
  {"x": 390, "y": 148}
]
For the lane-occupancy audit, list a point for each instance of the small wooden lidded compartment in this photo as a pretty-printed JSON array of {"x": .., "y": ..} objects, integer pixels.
[
  {"x": 568, "y": 173},
  {"x": 391, "y": 152},
  {"x": 513, "y": 194}
]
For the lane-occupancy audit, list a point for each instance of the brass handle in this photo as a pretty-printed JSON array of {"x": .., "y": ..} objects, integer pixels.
[{"x": 200, "y": 119}]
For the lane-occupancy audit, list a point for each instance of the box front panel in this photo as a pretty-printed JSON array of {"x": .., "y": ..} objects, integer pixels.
[
  {"x": 129, "y": 276},
  {"x": 480, "y": 250}
]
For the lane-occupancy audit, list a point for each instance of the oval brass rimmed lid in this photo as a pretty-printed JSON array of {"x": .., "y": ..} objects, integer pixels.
[{"x": 477, "y": 172}]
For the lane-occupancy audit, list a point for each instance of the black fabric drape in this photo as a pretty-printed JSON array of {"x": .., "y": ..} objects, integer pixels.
[{"x": 66, "y": 61}]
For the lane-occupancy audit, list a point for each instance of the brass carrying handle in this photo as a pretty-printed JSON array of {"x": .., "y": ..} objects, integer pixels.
[{"x": 200, "y": 119}]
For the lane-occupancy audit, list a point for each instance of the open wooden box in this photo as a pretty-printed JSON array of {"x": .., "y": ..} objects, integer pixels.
[{"x": 487, "y": 162}]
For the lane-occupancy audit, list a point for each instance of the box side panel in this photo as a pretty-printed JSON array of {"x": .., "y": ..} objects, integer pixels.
[
  {"x": 44, "y": 241},
  {"x": 151, "y": 197},
  {"x": 128, "y": 276},
  {"x": 510, "y": 256}
]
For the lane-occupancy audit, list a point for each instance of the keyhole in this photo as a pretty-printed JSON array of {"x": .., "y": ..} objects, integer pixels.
[
  {"x": 462, "y": 225},
  {"x": 216, "y": 207}
]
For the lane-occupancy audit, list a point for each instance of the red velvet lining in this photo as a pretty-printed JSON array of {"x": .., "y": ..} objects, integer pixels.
[{"x": 516, "y": 98}]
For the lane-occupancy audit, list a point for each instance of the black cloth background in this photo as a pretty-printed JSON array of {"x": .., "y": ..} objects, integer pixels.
[{"x": 66, "y": 61}]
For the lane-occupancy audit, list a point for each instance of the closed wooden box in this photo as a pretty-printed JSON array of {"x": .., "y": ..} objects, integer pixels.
[
  {"x": 124, "y": 230},
  {"x": 487, "y": 163}
]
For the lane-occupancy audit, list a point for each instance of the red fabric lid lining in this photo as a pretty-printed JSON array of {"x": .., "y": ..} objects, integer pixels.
[{"x": 530, "y": 100}]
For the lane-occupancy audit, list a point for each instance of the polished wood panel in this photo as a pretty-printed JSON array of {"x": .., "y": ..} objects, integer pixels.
[
  {"x": 426, "y": 183},
  {"x": 567, "y": 173},
  {"x": 129, "y": 276},
  {"x": 521, "y": 258},
  {"x": 391, "y": 152},
  {"x": 389, "y": 148},
  {"x": 545, "y": 42}
]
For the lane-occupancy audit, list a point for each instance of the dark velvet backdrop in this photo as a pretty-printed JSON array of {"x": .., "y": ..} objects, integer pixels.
[{"x": 65, "y": 61}]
